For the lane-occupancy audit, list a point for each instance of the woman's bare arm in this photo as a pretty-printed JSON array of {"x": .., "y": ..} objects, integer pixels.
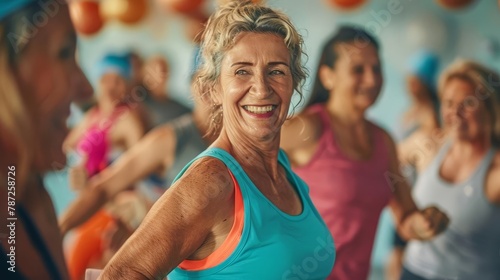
[
  {"x": 411, "y": 222},
  {"x": 177, "y": 225}
]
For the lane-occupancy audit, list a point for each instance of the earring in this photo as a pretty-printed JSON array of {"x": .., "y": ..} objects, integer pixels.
[{"x": 216, "y": 113}]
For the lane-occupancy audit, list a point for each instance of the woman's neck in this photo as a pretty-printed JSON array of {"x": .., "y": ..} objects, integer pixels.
[
  {"x": 200, "y": 120},
  {"x": 346, "y": 116},
  {"x": 106, "y": 108},
  {"x": 260, "y": 156},
  {"x": 471, "y": 148}
]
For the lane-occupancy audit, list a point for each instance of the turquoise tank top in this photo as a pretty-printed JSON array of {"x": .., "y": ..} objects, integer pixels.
[{"x": 273, "y": 244}]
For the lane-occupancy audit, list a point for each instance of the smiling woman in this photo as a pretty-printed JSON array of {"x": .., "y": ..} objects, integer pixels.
[
  {"x": 237, "y": 211},
  {"x": 347, "y": 160},
  {"x": 462, "y": 175},
  {"x": 39, "y": 78}
]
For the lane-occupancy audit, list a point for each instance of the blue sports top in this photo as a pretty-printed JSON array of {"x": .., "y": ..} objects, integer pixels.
[{"x": 273, "y": 244}]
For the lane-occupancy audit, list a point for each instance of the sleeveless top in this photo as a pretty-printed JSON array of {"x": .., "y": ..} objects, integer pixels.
[
  {"x": 190, "y": 144},
  {"x": 37, "y": 243},
  {"x": 469, "y": 248},
  {"x": 273, "y": 244},
  {"x": 95, "y": 145},
  {"x": 163, "y": 111},
  {"x": 350, "y": 196}
]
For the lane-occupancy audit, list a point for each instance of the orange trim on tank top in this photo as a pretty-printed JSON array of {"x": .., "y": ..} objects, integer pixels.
[{"x": 229, "y": 245}]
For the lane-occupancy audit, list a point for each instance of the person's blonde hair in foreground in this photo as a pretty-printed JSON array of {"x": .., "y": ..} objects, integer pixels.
[
  {"x": 237, "y": 211},
  {"x": 39, "y": 78},
  {"x": 459, "y": 171}
]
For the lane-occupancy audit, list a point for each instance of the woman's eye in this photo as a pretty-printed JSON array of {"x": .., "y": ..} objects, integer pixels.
[
  {"x": 277, "y": 72},
  {"x": 358, "y": 70},
  {"x": 470, "y": 103},
  {"x": 66, "y": 52},
  {"x": 241, "y": 72}
]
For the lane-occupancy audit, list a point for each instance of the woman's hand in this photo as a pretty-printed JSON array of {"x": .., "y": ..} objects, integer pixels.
[
  {"x": 78, "y": 177},
  {"x": 429, "y": 222}
]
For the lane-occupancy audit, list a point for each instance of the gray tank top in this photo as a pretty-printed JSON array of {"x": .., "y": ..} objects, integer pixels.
[
  {"x": 190, "y": 144},
  {"x": 470, "y": 247}
]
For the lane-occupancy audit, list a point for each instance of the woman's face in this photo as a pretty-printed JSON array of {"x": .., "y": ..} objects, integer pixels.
[
  {"x": 155, "y": 75},
  {"x": 113, "y": 88},
  {"x": 356, "y": 78},
  {"x": 416, "y": 88},
  {"x": 256, "y": 85},
  {"x": 50, "y": 78},
  {"x": 464, "y": 114}
]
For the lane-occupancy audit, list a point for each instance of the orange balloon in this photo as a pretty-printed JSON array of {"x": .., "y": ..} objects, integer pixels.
[
  {"x": 455, "y": 4},
  {"x": 347, "y": 4},
  {"x": 223, "y": 2},
  {"x": 127, "y": 11},
  {"x": 183, "y": 6},
  {"x": 86, "y": 17}
]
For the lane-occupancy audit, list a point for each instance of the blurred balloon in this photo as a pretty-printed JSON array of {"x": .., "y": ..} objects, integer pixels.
[
  {"x": 182, "y": 6},
  {"x": 346, "y": 4},
  {"x": 126, "y": 11},
  {"x": 455, "y": 4},
  {"x": 86, "y": 17},
  {"x": 224, "y": 2},
  {"x": 195, "y": 25},
  {"x": 428, "y": 32}
]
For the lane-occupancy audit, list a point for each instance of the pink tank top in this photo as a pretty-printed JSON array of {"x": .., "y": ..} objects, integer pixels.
[
  {"x": 350, "y": 195},
  {"x": 95, "y": 143}
]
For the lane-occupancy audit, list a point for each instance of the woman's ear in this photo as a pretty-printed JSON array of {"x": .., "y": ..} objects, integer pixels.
[
  {"x": 216, "y": 94},
  {"x": 327, "y": 77}
]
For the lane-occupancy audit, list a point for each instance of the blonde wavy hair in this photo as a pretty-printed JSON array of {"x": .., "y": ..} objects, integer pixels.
[
  {"x": 219, "y": 36},
  {"x": 487, "y": 89},
  {"x": 17, "y": 138}
]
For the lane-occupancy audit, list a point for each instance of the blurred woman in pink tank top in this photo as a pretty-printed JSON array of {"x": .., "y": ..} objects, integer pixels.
[{"x": 350, "y": 163}]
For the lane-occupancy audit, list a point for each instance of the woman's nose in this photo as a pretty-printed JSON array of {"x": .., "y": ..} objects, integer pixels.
[
  {"x": 81, "y": 89},
  {"x": 260, "y": 86}
]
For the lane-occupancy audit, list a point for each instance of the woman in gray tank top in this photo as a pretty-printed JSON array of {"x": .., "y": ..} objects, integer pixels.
[{"x": 460, "y": 173}]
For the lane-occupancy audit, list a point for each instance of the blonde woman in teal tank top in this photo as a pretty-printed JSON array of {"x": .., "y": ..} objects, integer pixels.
[{"x": 237, "y": 211}]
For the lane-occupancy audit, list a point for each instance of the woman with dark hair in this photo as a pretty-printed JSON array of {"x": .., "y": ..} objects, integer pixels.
[
  {"x": 39, "y": 78},
  {"x": 348, "y": 161}
]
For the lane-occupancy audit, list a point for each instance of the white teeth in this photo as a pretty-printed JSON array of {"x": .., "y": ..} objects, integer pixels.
[{"x": 259, "y": 109}]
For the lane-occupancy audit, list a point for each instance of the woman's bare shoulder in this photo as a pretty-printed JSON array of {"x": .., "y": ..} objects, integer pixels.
[
  {"x": 300, "y": 131},
  {"x": 207, "y": 179},
  {"x": 493, "y": 180}
]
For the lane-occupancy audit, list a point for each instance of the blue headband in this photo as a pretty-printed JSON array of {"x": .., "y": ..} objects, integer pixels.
[
  {"x": 8, "y": 7},
  {"x": 119, "y": 64},
  {"x": 424, "y": 65}
]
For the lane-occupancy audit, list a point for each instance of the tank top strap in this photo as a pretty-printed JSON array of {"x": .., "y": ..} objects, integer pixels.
[
  {"x": 485, "y": 165},
  {"x": 438, "y": 159},
  {"x": 380, "y": 145},
  {"x": 220, "y": 154},
  {"x": 115, "y": 115},
  {"x": 321, "y": 111}
]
